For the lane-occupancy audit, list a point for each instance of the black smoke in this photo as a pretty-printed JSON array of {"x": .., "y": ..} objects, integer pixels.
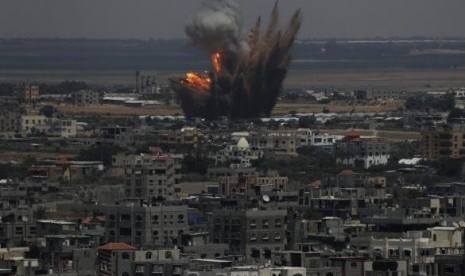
[{"x": 251, "y": 72}]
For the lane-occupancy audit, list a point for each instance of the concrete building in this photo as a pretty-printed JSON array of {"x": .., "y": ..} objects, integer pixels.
[
  {"x": 115, "y": 259},
  {"x": 16, "y": 218},
  {"x": 277, "y": 142},
  {"x": 239, "y": 155},
  {"x": 323, "y": 141},
  {"x": 356, "y": 150},
  {"x": 86, "y": 97},
  {"x": 29, "y": 92},
  {"x": 39, "y": 124},
  {"x": 240, "y": 185},
  {"x": 236, "y": 173},
  {"x": 10, "y": 121},
  {"x": 444, "y": 141},
  {"x": 187, "y": 137},
  {"x": 253, "y": 233},
  {"x": 138, "y": 224},
  {"x": 149, "y": 176}
]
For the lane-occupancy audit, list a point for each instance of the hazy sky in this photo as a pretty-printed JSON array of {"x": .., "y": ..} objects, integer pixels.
[{"x": 166, "y": 18}]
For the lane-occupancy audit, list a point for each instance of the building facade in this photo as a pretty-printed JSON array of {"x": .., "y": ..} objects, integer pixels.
[
  {"x": 253, "y": 233},
  {"x": 445, "y": 141},
  {"x": 137, "y": 224}
]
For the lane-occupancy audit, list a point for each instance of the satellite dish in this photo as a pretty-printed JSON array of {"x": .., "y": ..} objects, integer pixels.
[
  {"x": 25, "y": 219},
  {"x": 455, "y": 224},
  {"x": 266, "y": 198},
  {"x": 462, "y": 224}
]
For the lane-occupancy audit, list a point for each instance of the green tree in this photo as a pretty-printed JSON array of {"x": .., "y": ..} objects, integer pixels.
[
  {"x": 102, "y": 152},
  {"x": 48, "y": 111}
]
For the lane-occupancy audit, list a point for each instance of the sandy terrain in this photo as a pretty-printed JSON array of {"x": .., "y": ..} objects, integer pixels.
[{"x": 280, "y": 109}]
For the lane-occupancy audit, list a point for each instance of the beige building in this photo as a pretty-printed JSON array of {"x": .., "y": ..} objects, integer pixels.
[
  {"x": 149, "y": 176},
  {"x": 37, "y": 124},
  {"x": 444, "y": 141},
  {"x": 235, "y": 185},
  {"x": 86, "y": 97},
  {"x": 29, "y": 92},
  {"x": 278, "y": 142}
]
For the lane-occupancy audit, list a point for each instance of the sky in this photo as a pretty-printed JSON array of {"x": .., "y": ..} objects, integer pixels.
[{"x": 145, "y": 19}]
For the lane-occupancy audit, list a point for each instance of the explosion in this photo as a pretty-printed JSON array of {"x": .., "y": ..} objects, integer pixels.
[{"x": 247, "y": 76}]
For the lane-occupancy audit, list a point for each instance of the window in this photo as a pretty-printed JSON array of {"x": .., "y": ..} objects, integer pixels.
[
  {"x": 123, "y": 231},
  {"x": 125, "y": 256},
  {"x": 255, "y": 253},
  {"x": 140, "y": 269},
  {"x": 168, "y": 254},
  {"x": 148, "y": 255},
  {"x": 19, "y": 230},
  {"x": 449, "y": 269}
]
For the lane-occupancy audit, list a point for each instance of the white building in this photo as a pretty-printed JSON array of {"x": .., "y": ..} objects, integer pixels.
[
  {"x": 418, "y": 248},
  {"x": 365, "y": 151},
  {"x": 35, "y": 124},
  {"x": 239, "y": 155},
  {"x": 307, "y": 137},
  {"x": 460, "y": 98}
]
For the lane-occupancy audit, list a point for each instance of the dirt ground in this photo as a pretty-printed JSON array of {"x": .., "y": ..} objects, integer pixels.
[{"x": 280, "y": 109}]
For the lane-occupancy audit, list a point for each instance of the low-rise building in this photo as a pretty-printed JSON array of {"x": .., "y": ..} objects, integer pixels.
[{"x": 86, "y": 97}]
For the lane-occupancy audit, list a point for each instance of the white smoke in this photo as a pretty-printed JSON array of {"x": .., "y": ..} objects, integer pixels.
[{"x": 216, "y": 25}]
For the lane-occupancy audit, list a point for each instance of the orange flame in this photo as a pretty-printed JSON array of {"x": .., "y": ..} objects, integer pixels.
[
  {"x": 216, "y": 60},
  {"x": 196, "y": 80}
]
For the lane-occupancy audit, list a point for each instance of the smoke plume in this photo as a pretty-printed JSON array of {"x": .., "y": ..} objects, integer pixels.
[
  {"x": 242, "y": 84},
  {"x": 216, "y": 25}
]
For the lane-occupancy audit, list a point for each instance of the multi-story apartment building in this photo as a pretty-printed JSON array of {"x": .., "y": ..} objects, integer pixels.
[
  {"x": 29, "y": 92},
  {"x": 115, "y": 259},
  {"x": 356, "y": 150},
  {"x": 324, "y": 141},
  {"x": 253, "y": 233},
  {"x": 239, "y": 185},
  {"x": 149, "y": 176},
  {"x": 86, "y": 97},
  {"x": 278, "y": 142},
  {"x": 186, "y": 137},
  {"x": 33, "y": 124},
  {"x": 17, "y": 223},
  {"x": 10, "y": 121},
  {"x": 138, "y": 224},
  {"x": 444, "y": 141}
]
